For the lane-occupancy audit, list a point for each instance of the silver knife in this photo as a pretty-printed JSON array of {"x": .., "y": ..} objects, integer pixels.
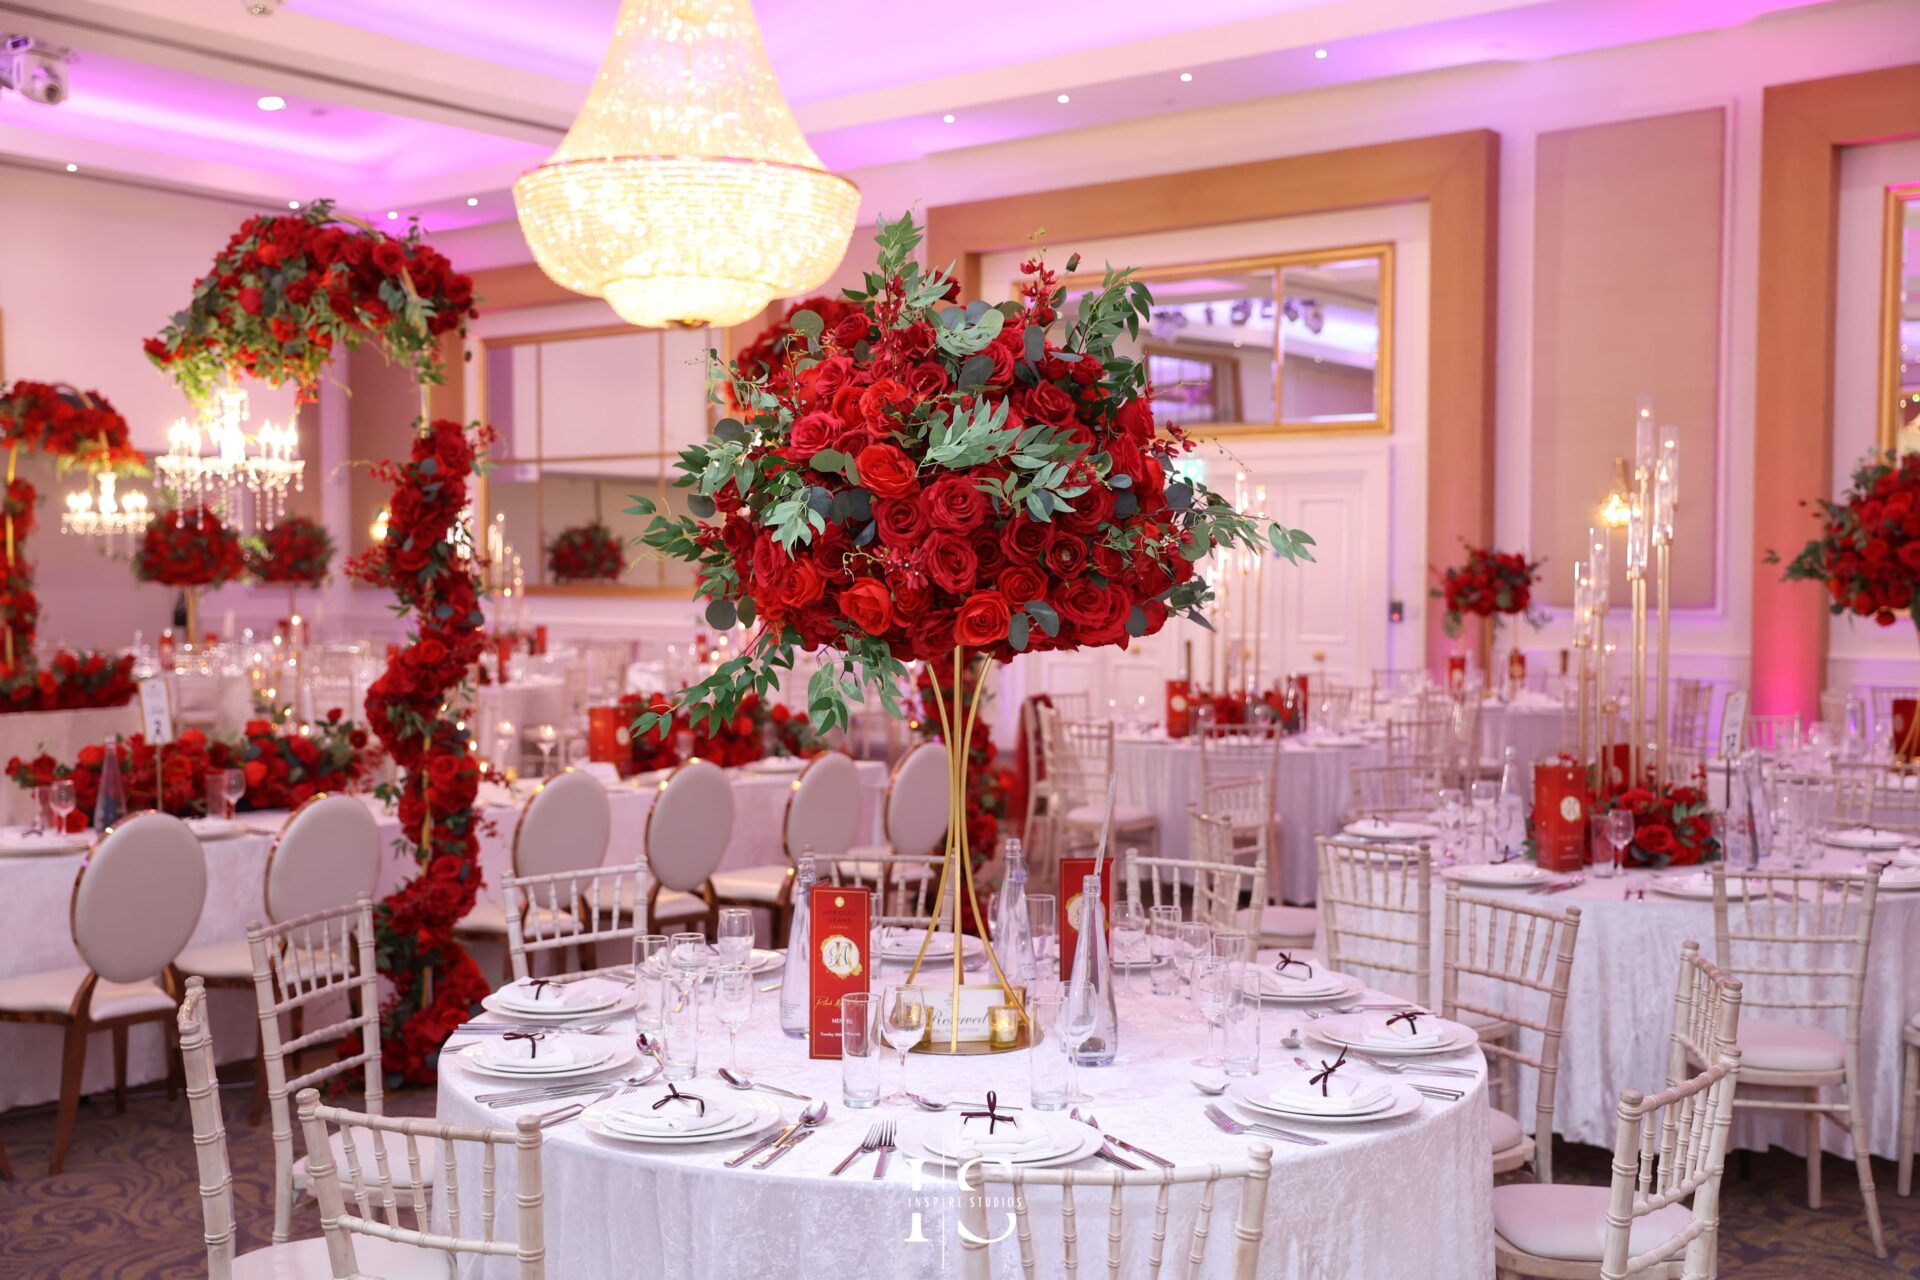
[
  {"x": 783, "y": 1148},
  {"x": 1139, "y": 1151},
  {"x": 762, "y": 1145},
  {"x": 1111, "y": 1156}
]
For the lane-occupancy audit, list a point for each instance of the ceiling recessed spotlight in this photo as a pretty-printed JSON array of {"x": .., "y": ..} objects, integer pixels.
[
  {"x": 293, "y": 204},
  {"x": 947, "y": 119},
  {"x": 1319, "y": 53},
  {"x": 1063, "y": 99},
  {"x": 393, "y": 215},
  {"x": 272, "y": 102},
  {"x": 1186, "y": 77},
  {"x": 472, "y": 201},
  {"x": 73, "y": 168}
]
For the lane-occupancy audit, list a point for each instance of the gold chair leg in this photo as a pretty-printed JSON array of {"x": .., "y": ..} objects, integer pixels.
[
  {"x": 73, "y": 1065},
  {"x": 120, "y": 1071}
]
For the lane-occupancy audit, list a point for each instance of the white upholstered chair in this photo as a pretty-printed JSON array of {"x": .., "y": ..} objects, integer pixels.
[
  {"x": 1374, "y": 912},
  {"x": 688, "y": 830},
  {"x": 914, "y": 817},
  {"x": 1798, "y": 942},
  {"x": 297, "y": 1260},
  {"x": 579, "y": 909},
  {"x": 564, "y": 826},
  {"x": 1637, "y": 1225},
  {"x": 1238, "y": 1255},
  {"x": 327, "y": 855},
  {"x": 135, "y": 903},
  {"x": 1507, "y": 966},
  {"x": 324, "y": 956},
  {"x": 382, "y": 1204},
  {"x": 823, "y": 816}
]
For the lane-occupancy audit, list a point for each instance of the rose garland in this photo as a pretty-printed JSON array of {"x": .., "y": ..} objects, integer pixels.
[
  {"x": 406, "y": 707},
  {"x": 1488, "y": 585},
  {"x": 296, "y": 552},
  {"x": 289, "y": 290},
  {"x": 584, "y": 553}
]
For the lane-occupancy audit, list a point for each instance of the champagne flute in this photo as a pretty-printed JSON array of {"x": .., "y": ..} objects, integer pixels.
[
  {"x": 60, "y": 799},
  {"x": 1617, "y": 827},
  {"x": 547, "y": 738},
  {"x": 1194, "y": 940},
  {"x": 903, "y": 1024},
  {"x": 1129, "y": 935},
  {"x": 732, "y": 1002},
  {"x": 1484, "y": 795},
  {"x": 1165, "y": 925},
  {"x": 735, "y": 939}
]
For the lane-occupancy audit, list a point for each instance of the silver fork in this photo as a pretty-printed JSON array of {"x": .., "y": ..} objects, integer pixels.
[
  {"x": 869, "y": 1143},
  {"x": 1228, "y": 1124},
  {"x": 886, "y": 1149},
  {"x": 520, "y": 1097},
  {"x": 560, "y": 1115},
  {"x": 1410, "y": 1068},
  {"x": 502, "y": 1028}
]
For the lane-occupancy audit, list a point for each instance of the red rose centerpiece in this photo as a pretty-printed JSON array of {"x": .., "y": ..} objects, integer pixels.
[
  {"x": 584, "y": 553},
  {"x": 952, "y": 483},
  {"x": 296, "y": 552},
  {"x": 1671, "y": 825},
  {"x": 190, "y": 549},
  {"x": 1490, "y": 585}
]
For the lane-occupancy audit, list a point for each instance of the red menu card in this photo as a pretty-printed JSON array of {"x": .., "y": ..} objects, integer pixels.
[
  {"x": 1560, "y": 816},
  {"x": 1456, "y": 671},
  {"x": 605, "y": 741},
  {"x": 1073, "y": 876},
  {"x": 1179, "y": 710},
  {"x": 838, "y": 960}
]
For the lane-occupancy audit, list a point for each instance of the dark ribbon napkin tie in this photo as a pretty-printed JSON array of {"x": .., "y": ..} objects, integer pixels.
[
  {"x": 991, "y": 1115},
  {"x": 533, "y": 1039},
  {"x": 1325, "y": 1074},
  {"x": 1411, "y": 1018},
  {"x": 538, "y": 986},
  {"x": 1286, "y": 961},
  {"x": 674, "y": 1095}
]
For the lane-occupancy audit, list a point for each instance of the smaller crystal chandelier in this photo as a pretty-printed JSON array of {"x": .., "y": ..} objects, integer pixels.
[
  {"x": 111, "y": 515},
  {"x": 245, "y": 478}
]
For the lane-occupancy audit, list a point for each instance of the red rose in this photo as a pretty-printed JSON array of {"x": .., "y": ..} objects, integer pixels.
[
  {"x": 852, "y": 330},
  {"x": 1024, "y": 540},
  {"x": 868, "y": 606},
  {"x": 250, "y": 301},
  {"x": 1655, "y": 838},
  {"x": 951, "y": 563},
  {"x": 932, "y": 634},
  {"x": 927, "y": 380},
  {"x": 983, "y": 620},
  {"x": 390, "y": 257},
  {"x": 1022, "y": 583},
  {"x": 812, "y": 433},
  {"x": 1049, "y": 404},
  {"x": 1066, "y": 554},
  {"x": 886, "y": 471},
  {"x": 901, "y": 522},
  {"x": 954, "y": 503}
]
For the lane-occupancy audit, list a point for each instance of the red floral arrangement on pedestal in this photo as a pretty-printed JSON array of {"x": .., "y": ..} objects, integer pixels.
[
  {"x": 1671, "y": 825},
  {"x": 990, "y": 785},
  {"x": 189, "y": 548},
  {"x": 1868, "y": 551},
  {"x": 289, "y": 290},
  {"x": 1491, "y": 584},
  {"x": 584, "y": 553},
  {"x": 738, "y": 741},
  {"x": 295, "y": 552},
  {"x": 70, "y": 682},
  {"x": 407, "y": 708}
]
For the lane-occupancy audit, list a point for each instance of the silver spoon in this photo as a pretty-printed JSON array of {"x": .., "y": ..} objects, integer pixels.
[
  {"x": 739, "y": 1080},
  {"x": 809, "y": 1118},
  {"x": 1211, "y": 1090}
]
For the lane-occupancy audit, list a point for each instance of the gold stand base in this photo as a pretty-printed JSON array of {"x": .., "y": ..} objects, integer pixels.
[{"x": 940, "y": 1045}]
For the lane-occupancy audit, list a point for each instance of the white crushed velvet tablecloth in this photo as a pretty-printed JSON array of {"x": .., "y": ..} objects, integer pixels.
[{"x": 1398, "y": 1198}]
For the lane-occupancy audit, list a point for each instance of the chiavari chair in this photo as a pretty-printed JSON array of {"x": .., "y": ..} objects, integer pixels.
[
  {"x": 906, "y": 893},
  {"x": 382, "y": 1203},
  {"x": 1506, "y": 967},
  {"x": 1392, "y": 791},
  {"x": 1802, "y": 939},
  {"x": 1909, "y": 1102},
  {"x": 1420, "y": 743},
  {"x": 1080, "y": 762},
  {"x": 565, "y": 825},
  {"x": 136, "y": 901},
  {"x": 1219, "y": 886},
  {"x": 291, "y": 1259},
  {"x": 1239, "y": 767},
  {"x": 1890, "y": 793},
  {"x": 578, "y": 909},
  {"x": 1375, "y": 910},
  {"x": 1043, "y": 796},
  {"x": 1241, "y": 1260},
  {"x": 1688, "y": 721},
  {"x": 1773, "y": 734}
]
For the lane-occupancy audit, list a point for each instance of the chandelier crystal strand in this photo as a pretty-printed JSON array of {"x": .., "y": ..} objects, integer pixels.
[
  {"x": 685, "y": 193},
  {"x": 246, "y": 476},
  {"x": 118, "y": 517}
]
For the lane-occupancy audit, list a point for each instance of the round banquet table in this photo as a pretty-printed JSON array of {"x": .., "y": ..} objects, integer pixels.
[
  {"x": 1311, "y": 797},
  {"x": 1620, "y": 1006},
  {"x": 1405, "y": 1197},
  {"x": 35, "y": 891},
  {"x": 1532, "y": 724}
]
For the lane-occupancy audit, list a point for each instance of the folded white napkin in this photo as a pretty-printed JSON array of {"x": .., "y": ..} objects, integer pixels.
[
  {"x": 1899, "y": 876},
  {"x": 1345, "y": 1096},
  {"x": 639, "y": 1115},
  {"x": 1029, "y": 1136},
  {"x": 547, "y": 1052},
  {"x": 530, "y": 995},
  {"x": 1399, "y": 1036}
]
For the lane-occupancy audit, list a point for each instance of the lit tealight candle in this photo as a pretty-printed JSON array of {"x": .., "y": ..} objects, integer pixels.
[{"x": 1003, "y": 1026}]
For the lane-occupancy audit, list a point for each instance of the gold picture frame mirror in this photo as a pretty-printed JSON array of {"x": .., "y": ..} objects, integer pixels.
[
  {"x": 1900, "y": 321},
  {"x": 1282, "y": 344}
]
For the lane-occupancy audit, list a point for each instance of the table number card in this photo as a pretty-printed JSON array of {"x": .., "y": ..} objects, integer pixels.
[
  {"x": 842, "y": 924},
  {"x": 1733, "y": 724},
  {"x": 156, "y": 710},
  {"x": 1074, "y": 873}
]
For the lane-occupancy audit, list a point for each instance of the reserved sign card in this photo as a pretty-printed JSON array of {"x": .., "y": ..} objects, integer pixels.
[
  {"x": 842, "y": 927},
  {"x": 1074, "y": 873}
]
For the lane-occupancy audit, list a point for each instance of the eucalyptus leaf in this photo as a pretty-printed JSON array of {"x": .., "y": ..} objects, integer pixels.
[
  {"x": 721, "y": 615},
  {"x": 807, "y": 324},
  {"x": 1018, "y": 632},
  {"x": 1137, "y": 621},
  {"x": 701, "y": 505}
]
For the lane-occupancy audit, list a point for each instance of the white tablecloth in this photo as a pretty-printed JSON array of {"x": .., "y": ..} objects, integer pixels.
[
  {"x": 1531, "y": 726},
  {"x": 1311, "y": 797},
  {"x": 1620, "y": 1008},
  {"x": 35, "y": 892},
  {"x": 60, "y": 734},
  {"x": 1401, "y": 1198}
]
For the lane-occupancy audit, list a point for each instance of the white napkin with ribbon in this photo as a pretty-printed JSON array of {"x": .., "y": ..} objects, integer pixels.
[
  {"x": 541, "y": 1053},
  {"x": 532, "y": 995},
  {"x": 1344, "y": 1096},
  {"x": 642, "y": 1116},
  {"x": 1025, "y": 1134},
  {"x": 1400, "y": 1035}
]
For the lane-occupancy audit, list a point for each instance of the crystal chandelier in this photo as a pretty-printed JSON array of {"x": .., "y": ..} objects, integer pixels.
[
  {"x": 685, "y": 193},
  {"x": 260, "y": 467},
  {"x": 111, "y": 515}
]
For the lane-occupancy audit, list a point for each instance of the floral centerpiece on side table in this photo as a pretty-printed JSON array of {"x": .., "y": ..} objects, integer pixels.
[
  {"x": 1489, "y": 585},
  {"x": 584, "y": 553},
  {"x": 1671, "y": 825},
  {"x": 943, "y": 482}
]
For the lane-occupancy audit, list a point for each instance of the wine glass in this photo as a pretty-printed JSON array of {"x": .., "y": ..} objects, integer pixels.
[
  {"x": 1079, "y": 1015},
  {"x": 689, "y": 953},
  {"x": 233, "y": 787},
  {"x": 1164, "y": 923},
  {"x": 1043, "y": 922},
  {"x": 60, "y": 800},
  {"x": 1193, "y": 940},
  {"x": 1129, "y": 933},
  {"x": 1212, "y": 985},
  {"x": 1452, "y": 810},
  {"x": 546, "y": 737},
  {"x": 1617, "y": 827},
  {"x": 903, "y": 1023},
  {"x": 1484, "y": 795},
  {"x": 734, "y": 941},
  {"x": 732, "y": 1002}
]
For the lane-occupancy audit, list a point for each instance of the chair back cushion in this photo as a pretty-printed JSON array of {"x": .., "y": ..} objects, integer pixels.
[
  {"x": 138, "y": 897},
  {"x": 326, "y": 856},
  {"x": 917, "y": 801},
  {"x": 823, "y": 810},
  {"x": 690, "y": 825},
  {"x": 564, "y": 827}
]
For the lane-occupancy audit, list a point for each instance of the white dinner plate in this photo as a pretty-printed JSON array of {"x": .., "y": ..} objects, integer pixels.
[
  {"x": 616, "y": 1054},
  {"x": 16, "y": 843},
  {"x": 512, "y": 1013},
  {"x": 1388, "y": 829},
  {"x": 1322, "y": 986},
  {"x": 932, "y": 1137},
  {"x": 514, "y": 1058},
  {"x": 634, "y": 1113},
  {"x": 904, "y": 944},
  {"x": 756, "y": 1115},
  {"x": 565, "y": 997},
  {"x": 216, "y": 828},
  {"x": 1497, "y": 875},
  {"x": 1871, "y": 839},
  {"x": 1355, "y": 1031},
  {"x": 1405, "y": 1101},
  {"x": 1899, "y": 879},
  {"x": 1337, "y": 740},
  {"x": 1694, "y": 885}
]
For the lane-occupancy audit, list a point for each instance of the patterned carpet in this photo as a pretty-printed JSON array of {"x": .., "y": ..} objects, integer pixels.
[{"x": 126, "y": 1208}]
